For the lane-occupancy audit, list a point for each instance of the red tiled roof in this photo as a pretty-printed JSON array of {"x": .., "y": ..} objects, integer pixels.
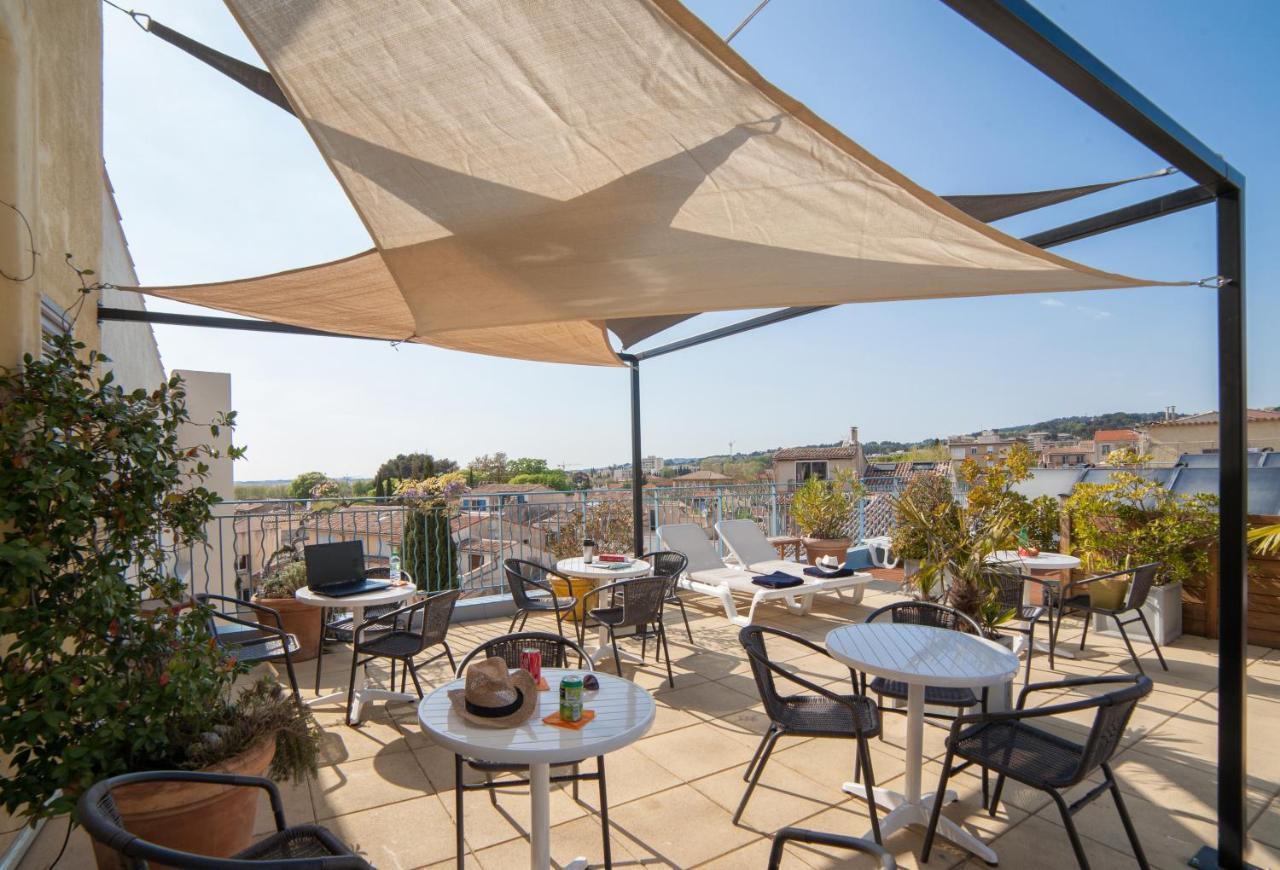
[
  {"x": 1114, "y": 435},
  {"x": 793, "y": 453}
]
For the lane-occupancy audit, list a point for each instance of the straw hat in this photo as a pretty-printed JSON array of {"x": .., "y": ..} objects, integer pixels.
[{"x": 495, "y": 697}]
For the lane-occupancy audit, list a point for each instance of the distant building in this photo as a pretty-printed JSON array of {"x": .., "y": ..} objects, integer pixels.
[
  {"x": 1106, "y": 441},
  {"x": 982, "y": 448},
  {"x": 1198, "y": 433},
  {"x": 488, "y": 496},
  {"x": 651, "y": 464},
  {"x": 795, "y": 465},
  {"x": 702, "y": 476},
  {"x": 1070, "y": 456}
]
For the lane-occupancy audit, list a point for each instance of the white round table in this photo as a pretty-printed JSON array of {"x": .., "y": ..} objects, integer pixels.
[
  {"x": 624, "y": 712},
  {"x": 920, "y": 656},
  {"x": 356, "y": 604},
  {"x": 1044, "y": 562},
  {"x": 576, "y": 567}
]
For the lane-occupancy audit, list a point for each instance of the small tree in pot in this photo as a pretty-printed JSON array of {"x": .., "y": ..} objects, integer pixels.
[
  {"x": 430, "y": 554},
  {"x": 99, "y": 494},
  {"x": 298, "y": 618},
  {"x": 823, "y": 510}
]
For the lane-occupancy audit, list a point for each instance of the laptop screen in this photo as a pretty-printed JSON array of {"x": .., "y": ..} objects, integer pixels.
[{"x": 334, "y": 564}]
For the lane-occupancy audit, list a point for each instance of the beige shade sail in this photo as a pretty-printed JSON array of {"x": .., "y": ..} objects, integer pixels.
[{"x": 531, "y": 173}]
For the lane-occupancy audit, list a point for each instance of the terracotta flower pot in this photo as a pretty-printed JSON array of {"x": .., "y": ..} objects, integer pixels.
[
  {"x": 299, "y": 619},
  {"x": 816, "y": 548},
  {"x": 192, "y": 817}
]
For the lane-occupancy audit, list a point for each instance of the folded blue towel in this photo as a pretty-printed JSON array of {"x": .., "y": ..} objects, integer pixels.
[
  {"x": 827, "y": 575},
  {"x": 777, "y": 580}
]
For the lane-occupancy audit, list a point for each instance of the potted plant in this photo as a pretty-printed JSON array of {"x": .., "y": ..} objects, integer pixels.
[
  {"x": 822, "y": 510},
  {"x": 100, "y": 494},
  {"x": 429, "y": 551},
  {"x": 1133, "y": 520},
  {"x": 925, "y": 500},
  {"x": 296, "y": 617}
]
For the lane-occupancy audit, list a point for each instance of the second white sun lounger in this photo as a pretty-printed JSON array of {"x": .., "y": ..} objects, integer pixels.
[
  {"x": 747, "y": 543},
  {"x": 708, "y": 575}
]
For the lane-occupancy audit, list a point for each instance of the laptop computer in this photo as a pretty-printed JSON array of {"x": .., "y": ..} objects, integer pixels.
[{"x": 337, "y": 570}]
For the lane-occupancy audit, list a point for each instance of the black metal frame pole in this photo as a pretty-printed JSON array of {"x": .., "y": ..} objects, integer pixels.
[
  {"x": 637, "y": 468},
  {"x": 1233, "y": 441}
]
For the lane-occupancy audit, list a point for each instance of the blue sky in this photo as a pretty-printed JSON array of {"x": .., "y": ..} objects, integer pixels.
[{"x": 215, "y": 183}]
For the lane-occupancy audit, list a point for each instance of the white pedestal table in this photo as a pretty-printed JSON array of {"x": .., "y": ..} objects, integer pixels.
[
  {"x": 624, "y": 712},
  {"x": 921, "y": 656},
  {"x": 364, "y": 693}
]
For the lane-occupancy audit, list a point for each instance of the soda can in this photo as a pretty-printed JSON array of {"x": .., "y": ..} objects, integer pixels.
[
  {"x": 531, "y": 661},
  {"x": 571, "y": 699}
]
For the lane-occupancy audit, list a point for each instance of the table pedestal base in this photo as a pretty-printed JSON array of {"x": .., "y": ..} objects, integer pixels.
[
  {"x": 364, "y": 695},
  {"x": 903, "y": 813},
  {"x": 540, "y": 821}
]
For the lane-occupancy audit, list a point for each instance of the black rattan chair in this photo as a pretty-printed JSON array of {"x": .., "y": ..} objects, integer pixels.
[
  {"x": 337, "y": 623},
  {"x": 1009, "y": 587},
  {"x": 303, "y": 846},
  {"x": 1015, "y": 749},
  {"x": 523, "y": 576},
  {"x": 555, "y": 650},
  {"x": 414, "y": 630},
  {"x": 632, "y": 604},
  {"x": 821, "y": 838},
  {"x": 820, "y": 714},
  {"x": 670, "y": 564},
  {"x": 252, "y": 641},
  {"x": 1075, "y": 597}
]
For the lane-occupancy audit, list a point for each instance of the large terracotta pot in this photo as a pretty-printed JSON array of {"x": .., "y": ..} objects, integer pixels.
[
  {"x": 200, "y": 818},
  {"x": 816, "y": 548},
  {"x": 300, "y": 619}
]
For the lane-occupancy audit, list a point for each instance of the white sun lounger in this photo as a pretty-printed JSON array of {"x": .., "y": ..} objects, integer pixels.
[
  {"x": 753, "y": 551},
  {"x": 708, "y": 575}
]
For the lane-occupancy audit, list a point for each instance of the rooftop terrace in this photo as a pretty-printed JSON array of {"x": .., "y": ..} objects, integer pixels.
[{"x": 387, "y": 790}]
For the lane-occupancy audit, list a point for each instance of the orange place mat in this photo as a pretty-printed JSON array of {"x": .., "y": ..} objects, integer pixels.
[
  {"x": 542, "y": 685},
  {"x": 554, "y": 719}
]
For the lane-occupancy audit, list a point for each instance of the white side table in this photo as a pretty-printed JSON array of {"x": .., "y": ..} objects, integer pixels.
[
  {"x": 920, "y": 655},
  {"x": 364, "y": 693},
  {"x": 575, "y": 567},
  {"x": 624, "y": 712}
]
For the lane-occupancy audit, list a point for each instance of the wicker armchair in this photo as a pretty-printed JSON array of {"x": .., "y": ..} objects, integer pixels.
[
  {"x": 524, "y": 577},
  {"x": 1075, "y": 597},
  {"x": 304, "y": 847},
  {"x": 253, "y": 641},
  {"x": 1009, "y": 589},
  {"x": 632, "y": 604},
  {"x": 820, "y": 714},
  {"x": 1010, "y": 744},
  {"x": 670, "y": 564},
  {"x": 555, "y": 650},
  {"x": 820, "y": 838},
  {"x": 414, "y": 630}
]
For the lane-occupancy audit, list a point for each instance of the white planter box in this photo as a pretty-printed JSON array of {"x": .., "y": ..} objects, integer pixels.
[
  {"x": 909, "y": 567},
  {"x": 1163, "y": 611}
]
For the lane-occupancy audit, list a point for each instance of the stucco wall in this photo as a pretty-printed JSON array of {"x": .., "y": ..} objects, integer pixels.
[
  {"x": 131, "y": 347},
  {"x": 1167, "y": 443},
  {"x": 50, "y": 162}
]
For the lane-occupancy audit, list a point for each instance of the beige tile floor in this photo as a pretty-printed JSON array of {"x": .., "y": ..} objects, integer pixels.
[{"x": 387, "y": 790}]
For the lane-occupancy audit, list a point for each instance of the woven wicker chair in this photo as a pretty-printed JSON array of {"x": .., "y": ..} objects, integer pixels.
[
  {"x": 1009, "y": 587},
  {"x": 1015, "y": 748},
  {"x": 253, "y": 641},
  {"x": 303, "y": 846},
  {"x": 1075, "y": 597},
  {"x": 820, "y": 714},
  {"x": 671, "y": 565},
  {"x": 820, "y": 838},
  {"x": 523, "y": 576},
  {"x": 555, "y": 650},
  {"x": 414, "y": 630},
  {"x": 632, "y": 604}
]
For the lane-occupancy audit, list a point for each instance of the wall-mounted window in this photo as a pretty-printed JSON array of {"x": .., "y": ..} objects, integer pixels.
[
  {"x": 806, "y": 470},
  {"x": 53, "y": 322}
]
